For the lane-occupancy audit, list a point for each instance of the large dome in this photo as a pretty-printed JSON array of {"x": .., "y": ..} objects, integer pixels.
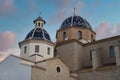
[
  {"x": 76, "y": 21},
  {"x": 39, "y": 34}
]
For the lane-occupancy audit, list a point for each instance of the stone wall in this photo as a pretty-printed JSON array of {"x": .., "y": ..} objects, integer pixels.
[
  {"x": 102, "y": 49},
  {"x": 53, "y": 73},
  {"x": 72, "y": 33},
  {"x": 113, "y": 74},
  {"x": 37, "y": 73},
  {"x": 72, "y": 55},
  {"x": 55, "y": 69}
]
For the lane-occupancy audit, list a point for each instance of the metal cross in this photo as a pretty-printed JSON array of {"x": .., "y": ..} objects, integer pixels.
[{"x": 74, "y": 11}]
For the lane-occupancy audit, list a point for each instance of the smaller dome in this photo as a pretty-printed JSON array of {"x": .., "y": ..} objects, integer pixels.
[
  {"x": 76, "y": 21},
  {"x": 39, "y": 34},
  {"x": 39, "y": 19}
]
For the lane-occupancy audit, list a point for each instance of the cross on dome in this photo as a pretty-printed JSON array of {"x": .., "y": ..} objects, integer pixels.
[{"x": 74, "y": 11}]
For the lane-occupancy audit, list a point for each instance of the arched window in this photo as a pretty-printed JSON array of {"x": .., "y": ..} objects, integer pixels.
[
  {"x": 112, "y": 51},
  {"x": 35, "y": 24},
  {"x": 79, "y": 35},
  {"x": 38, "y": 24},
  {"x": 41, "y": 24},
  {"x": 91, "y": 55},
  {"x": 25, "y": 49},
  {"x": 48, "y": 50},
  {"x": 36, "y": 48},
  {"x": 64, "y": 36},
  {"x": 92, "y": 37}
]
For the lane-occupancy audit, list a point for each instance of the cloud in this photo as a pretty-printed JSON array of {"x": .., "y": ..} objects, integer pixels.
[
  {"x": 64, "y": 8},
  {"x": 7, "y": 40},
  {"x": 101, "y": 30},
  {"x": 79, "y": 5},
  {"x": 93, "y": 8},
  {"x": 13, "y": 51},
  {"x": 57, "y": 16},
  {"x": 6, "y": 7},
  {"x": 118, "y": 29},
  {"x": 62, "y": 3},
  {"x": 105, "y": 30},
  {"x": 31, "y": 4}
]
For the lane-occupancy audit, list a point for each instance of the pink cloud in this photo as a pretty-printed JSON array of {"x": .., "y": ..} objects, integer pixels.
[
  {"x": 101, "y": 30},
  {"x": 105, "y": 30},
  {"x": 1, "y": 59},
  {"x": 6, "y": 7},
  {"x": 7, "y": 40}
]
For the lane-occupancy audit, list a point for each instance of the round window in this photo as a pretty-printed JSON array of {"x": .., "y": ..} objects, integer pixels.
[{"x": 58, "y": 69}]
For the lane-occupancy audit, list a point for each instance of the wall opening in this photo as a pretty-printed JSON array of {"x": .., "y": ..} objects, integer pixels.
[
  {"x": 64, "y": 36},
  {"x": 79, "y": 35}
]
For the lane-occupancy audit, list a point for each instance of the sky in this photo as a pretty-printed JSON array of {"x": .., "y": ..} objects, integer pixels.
[{"x": 17, "y": 16}]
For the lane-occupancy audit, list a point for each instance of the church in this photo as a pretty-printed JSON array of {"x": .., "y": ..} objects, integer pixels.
[{"x": 76, "y": 54}]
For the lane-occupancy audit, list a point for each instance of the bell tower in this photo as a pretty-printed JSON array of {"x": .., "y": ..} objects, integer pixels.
[
  {"x": 73, "y": 33},
  {"x": 37, "y": 45},
  {"x": 39, "y": 22}
]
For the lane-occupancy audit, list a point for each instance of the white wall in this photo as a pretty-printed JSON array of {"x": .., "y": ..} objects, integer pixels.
[
  {"x": 42, "y": 51},
  {"x": 11, "y": 69}
]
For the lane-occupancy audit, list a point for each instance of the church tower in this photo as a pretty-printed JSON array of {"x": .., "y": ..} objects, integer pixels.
[
  {"x": 37, "y": 45},
  {"x": 74, "y": 32}
]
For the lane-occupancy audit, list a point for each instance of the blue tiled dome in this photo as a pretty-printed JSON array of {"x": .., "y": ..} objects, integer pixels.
[
  {"x": 39, "y": 34},
  {"x": 76, "y": 21}
]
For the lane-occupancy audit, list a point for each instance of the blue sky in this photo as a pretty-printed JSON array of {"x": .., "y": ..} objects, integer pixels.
[{"x": 16, "y": 18}]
